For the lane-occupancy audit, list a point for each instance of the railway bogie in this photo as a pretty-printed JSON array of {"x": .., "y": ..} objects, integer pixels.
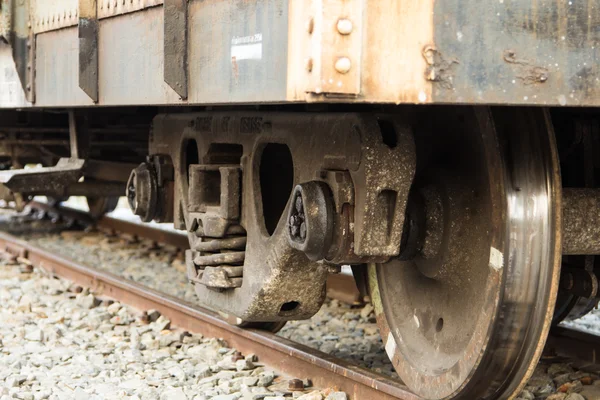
[{"x": 288, "y": 143}]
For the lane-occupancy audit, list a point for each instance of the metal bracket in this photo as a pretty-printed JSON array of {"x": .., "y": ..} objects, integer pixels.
[
  {"x": 15, "y": 28},
  {"x": 79, "y": 139},
  {"x": 43, "y": 179},
  {"x": 175, "y": 46},
  {"x": 335, "y": 34},
  {"x": 88, "y": 48}
]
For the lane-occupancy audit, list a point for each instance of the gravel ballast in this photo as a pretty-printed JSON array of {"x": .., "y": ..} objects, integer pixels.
[
  {"x": 58, "y": 341},
  {"x": 341, "y": 330}
]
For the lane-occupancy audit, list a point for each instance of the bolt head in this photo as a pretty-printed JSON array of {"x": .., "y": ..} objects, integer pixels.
[
  {"x": 343, "y": 65},
  {"x": 309, "y": 64},
  {"x": 344, "y": 26},
  {"x": 310, "y": 25}
]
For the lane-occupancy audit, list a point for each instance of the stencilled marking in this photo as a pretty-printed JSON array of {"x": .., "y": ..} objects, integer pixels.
[
  {"x": 496, "y": 259},
  {"x": 390, "y": 346},
  {"x": 247, "y": 47}
]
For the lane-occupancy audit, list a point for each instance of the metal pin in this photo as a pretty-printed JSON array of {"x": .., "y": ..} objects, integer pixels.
[
  {"x": 344, "y": 26},
  {"x": 343, "y": 65}
]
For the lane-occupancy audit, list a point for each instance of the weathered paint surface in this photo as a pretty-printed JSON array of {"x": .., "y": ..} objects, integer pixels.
[
  {"x": 535, "y": 52},
  {"x": 519, "y": 52}
]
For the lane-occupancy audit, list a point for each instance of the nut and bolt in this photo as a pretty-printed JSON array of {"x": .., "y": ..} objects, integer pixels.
[
  {"x": 344, "y": 26},
  {"x": 295, "y": 385},
  {"x": 343, "y": 65},
  {"x": 297, "y": 222}
]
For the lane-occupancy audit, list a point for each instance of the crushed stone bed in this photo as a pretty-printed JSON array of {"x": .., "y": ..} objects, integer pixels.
[
  {"x": 338, "y": 329},
  {"x": 58, "y": 341}
]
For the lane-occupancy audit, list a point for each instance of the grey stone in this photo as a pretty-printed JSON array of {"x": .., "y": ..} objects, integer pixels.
[
  {"x": 87, "y": 301},
  {"x": 337, "y": 396},
  {"x": 36, "y": 335},
  {"x": 173, "y": 393},
  {"x": 245, "y": 364},
  {"x": 315, "y": 395},
  {"x": 15, "y": 380},
  {"x": 162, "y": 323},
  {"x": 574, "y": 396}
]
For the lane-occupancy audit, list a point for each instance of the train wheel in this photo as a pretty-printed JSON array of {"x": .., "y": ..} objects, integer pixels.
[
  {"x": 101, "y": 205},
  {"x": 466, "y": 317}
]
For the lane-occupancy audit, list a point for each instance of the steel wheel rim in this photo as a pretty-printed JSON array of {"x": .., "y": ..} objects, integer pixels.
[{"x": 525, "y": 250}]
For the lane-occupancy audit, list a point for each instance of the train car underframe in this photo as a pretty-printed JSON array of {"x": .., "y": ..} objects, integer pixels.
[
  {"x": 446, "y": 150},
  {"x": 454, "y": 218}
]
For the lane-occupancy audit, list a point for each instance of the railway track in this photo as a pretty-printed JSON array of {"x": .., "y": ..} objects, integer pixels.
[{"x": 288, "y": 357}]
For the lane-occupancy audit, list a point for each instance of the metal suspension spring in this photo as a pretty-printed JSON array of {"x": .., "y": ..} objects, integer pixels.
[{"x": 220, "y": 260}]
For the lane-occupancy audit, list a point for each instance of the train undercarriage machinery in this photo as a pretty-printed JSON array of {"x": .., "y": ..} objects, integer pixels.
[{"x": 452, "y": 161}]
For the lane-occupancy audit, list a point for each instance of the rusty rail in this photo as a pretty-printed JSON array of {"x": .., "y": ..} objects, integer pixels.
[
  {"x": 284, "y": 355},
  {"x": 290, "y": 358},
  {"x": 574, "y": 344}
]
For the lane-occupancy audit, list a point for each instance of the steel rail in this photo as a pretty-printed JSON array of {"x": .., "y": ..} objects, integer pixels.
[
  {"x": 574, "y": 343},
  {"x": 285, "y": 356}
]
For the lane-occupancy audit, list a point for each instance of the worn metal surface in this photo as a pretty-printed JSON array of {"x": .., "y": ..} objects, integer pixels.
[
  {"x": 339, "y": 286},
  {"x": 478, "y": 310},
  {"x": 11, "y": 91},
  {"x": 581, "y": 215},
  {"x": 310, "y": 219},
  {"x": 79, "y": 135},
  {"x": 57, "y": 69},
  {"x": 43, "y": 179},
  {"x": 574, "y": 343},
  {"x": 283, "y": 283},
  {"x": 176, "y": 45},
  {"x": 285, "y": 356},
  {"x": 150, "y": 190},
  {"x": 5, "y": 21},
  {"x": 333, "y": 53},
  {"x": 88, "y": 48},
  {"x": 19, "y": 35},
  {"x": 389, "y": 51}
]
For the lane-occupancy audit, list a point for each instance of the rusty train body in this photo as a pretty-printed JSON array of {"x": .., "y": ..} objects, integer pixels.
[{"x": 446, "y": 149}]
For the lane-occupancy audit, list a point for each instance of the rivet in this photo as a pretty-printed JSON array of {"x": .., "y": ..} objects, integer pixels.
[
  {"x": 344, "y": 26},
  {"x": 310, "y": 26},
  {"x": 343, "y": 65},
  {"x": 309, "y": 65}
]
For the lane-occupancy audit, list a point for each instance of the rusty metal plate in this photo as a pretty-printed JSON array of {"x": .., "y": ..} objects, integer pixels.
[
  {"x": 520, "y": 52},
  {"x": 175, "y": 46},
  {"x": 334, "y": 33},
  {"x": 88, "y": 48}
]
